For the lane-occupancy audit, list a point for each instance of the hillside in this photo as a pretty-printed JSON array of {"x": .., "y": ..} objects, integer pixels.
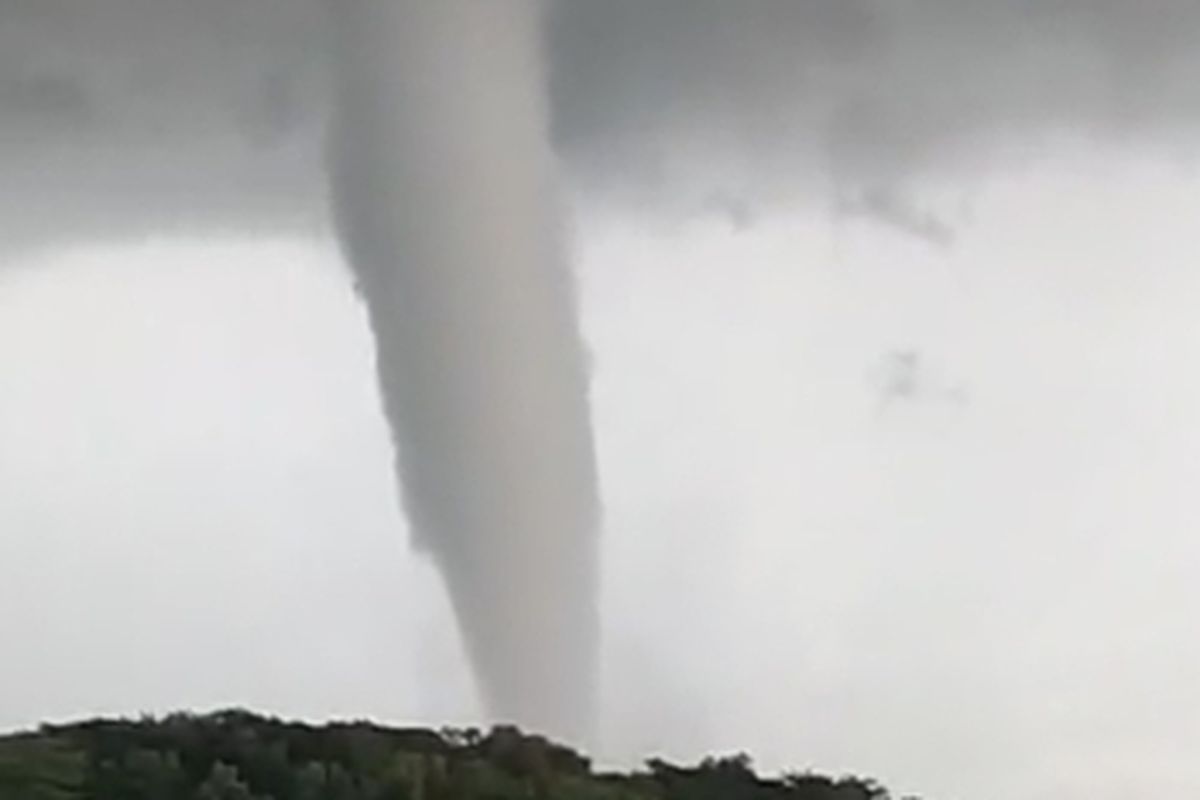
[{"x": 236, "y": 755}]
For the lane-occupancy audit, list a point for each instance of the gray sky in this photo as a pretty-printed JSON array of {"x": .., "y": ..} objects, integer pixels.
[
  {"x": 977, "y": 587},
  {"x": 983, "y": 597}
]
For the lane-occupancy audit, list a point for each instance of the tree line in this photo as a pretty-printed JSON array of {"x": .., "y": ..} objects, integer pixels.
[{"x": 237, "y": 755}]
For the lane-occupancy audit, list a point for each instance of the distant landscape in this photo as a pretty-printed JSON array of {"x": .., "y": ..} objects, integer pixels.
[{"x": 238, "y": 755}]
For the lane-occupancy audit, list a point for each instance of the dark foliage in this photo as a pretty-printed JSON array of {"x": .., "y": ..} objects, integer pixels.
[{"x": 236, "y": 755}]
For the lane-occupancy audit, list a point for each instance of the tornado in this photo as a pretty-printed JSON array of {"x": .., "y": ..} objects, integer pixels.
[{"x": 443, "y": 184}]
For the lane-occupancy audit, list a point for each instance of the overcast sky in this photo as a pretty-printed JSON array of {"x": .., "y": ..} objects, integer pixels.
[
  {"x": 894, "y": 391},
  {"x": 974, "y": 585}
]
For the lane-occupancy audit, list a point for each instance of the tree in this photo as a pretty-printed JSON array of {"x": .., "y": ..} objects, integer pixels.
[
  {"x": 240, "y": 756},
  {"x": 35, "y": 768},
  {"x": 223, "y": 783}
]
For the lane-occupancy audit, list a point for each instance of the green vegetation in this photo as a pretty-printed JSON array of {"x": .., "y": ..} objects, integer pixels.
[{"x": 235, "y": 755}]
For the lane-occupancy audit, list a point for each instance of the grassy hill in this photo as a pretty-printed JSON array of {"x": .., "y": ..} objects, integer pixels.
[{"x": 236, "y": 755}]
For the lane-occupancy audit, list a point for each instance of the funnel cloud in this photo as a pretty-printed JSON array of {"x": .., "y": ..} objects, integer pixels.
[{"x": 444, "y": 190}]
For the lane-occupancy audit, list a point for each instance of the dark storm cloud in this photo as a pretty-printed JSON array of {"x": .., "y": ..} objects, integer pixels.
[
  {"x": 127, "y": 117},
  {"x": 167, "y": 111},
  {"x": 856, "y": 89}
]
